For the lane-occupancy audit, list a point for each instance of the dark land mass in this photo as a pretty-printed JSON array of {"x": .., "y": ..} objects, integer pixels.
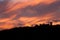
[
  {"x": 36, "y": 28},
  {"x": 41, "y": 32}
]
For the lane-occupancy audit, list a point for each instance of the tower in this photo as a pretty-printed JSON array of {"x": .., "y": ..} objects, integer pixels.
[{"x": 50, "y": 23}]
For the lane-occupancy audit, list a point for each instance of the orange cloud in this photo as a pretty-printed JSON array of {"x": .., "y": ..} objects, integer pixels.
[
  {"x": 26, "y": 21},
  {"x": 7, "y": 19},
  {"x": 56, "y": 23},
  {"x": 17, "y": 5},
  {"x": 6, "y": 26}
]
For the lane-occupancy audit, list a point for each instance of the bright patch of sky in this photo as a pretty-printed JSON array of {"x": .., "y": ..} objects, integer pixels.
[
  {"x": 1, "y": 0},
  {"x": 20, "y": 0}
]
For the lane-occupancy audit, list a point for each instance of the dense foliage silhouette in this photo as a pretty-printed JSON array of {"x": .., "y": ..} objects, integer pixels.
[{"x": 40, "y": 28}]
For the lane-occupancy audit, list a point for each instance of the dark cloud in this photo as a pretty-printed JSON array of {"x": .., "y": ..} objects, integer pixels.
[
  {"x": 31, "y": 11},
  {"x": 38, "y": 10},
  {"x": 56, "y": 14},
  {"x": 3, "y": 7}
]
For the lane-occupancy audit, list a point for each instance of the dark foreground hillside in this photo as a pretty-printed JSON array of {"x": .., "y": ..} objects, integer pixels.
[
  {"x": 36, "y": 28},
  {"x": 42, "y": 32}
]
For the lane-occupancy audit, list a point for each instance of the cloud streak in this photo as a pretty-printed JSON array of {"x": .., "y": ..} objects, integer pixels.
[{"x": 27, "y": 13}]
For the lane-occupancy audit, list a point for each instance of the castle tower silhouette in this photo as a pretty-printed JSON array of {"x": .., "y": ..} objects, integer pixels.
[{"x": 50, "y": 23}]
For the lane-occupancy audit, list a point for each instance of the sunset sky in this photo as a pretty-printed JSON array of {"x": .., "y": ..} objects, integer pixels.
[{"x": 28, "y": 12}]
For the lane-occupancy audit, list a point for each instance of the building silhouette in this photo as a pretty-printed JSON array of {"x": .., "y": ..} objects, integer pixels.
[{"x": 50, "y": 23}]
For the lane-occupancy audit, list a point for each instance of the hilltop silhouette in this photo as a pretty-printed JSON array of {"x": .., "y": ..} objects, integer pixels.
[
  {"x": 40, "y": 28},
  {"x": 36, "y": 32}
]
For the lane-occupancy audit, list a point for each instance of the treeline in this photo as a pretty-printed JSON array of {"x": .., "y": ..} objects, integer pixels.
[{"x": 40, "y": 28}]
